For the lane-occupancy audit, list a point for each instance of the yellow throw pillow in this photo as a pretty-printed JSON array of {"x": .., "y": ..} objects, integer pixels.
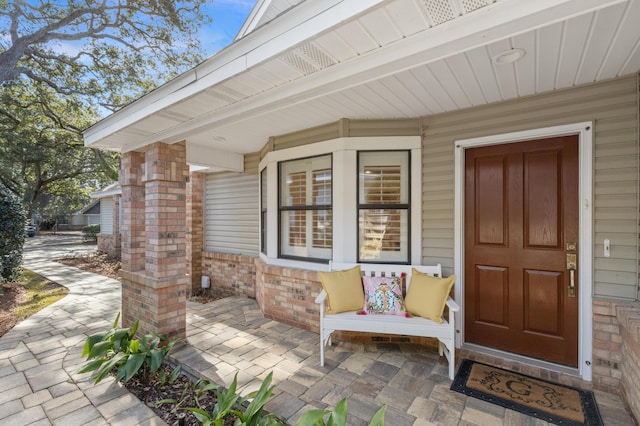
[
  {"x": 344, "y": 290},
  {"x": 427, "y": 295}
]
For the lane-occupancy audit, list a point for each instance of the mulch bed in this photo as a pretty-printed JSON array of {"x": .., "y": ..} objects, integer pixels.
[
  {"x": 13, "y": 294},
  {"x": 151, "y": 391},
  {"x": 98, "y": 263}
]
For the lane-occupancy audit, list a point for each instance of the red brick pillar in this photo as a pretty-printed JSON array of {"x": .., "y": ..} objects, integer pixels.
[
  {"x": 155, "y": 291},
  {"x": 132, "y": 199},
  {"x": 165, "y": 187},
  {"x": 195, "y": 230},
  {"x": 117, "y": 242},
  {"x": 133, "y": 232}
]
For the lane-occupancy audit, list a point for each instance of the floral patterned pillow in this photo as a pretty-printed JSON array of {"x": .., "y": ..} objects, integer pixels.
[{"x": 383, "y": 295}]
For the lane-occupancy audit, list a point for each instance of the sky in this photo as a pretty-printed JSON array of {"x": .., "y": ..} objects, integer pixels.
[{"x": 228, "y": 16}]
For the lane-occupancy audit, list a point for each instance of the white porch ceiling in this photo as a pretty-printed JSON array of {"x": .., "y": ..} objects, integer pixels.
[{"x": 399, "y": 59}]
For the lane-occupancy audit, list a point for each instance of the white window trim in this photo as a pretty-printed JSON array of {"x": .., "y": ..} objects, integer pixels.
[
  {"x": 344, "y": 150},
  {"x": 584, "y": 131}
]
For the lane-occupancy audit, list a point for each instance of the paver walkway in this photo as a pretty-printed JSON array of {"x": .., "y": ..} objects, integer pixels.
[{"x": 39, "y": 356}]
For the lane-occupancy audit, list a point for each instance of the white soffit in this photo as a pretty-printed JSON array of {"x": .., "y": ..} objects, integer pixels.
[{"x": 405, "y": 58}]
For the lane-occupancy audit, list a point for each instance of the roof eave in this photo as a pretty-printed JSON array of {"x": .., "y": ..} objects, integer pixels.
[{"x": 292, "y": 28}]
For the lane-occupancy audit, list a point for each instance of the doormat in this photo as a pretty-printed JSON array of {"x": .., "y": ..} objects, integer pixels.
[{"x": 551, "y": 402}]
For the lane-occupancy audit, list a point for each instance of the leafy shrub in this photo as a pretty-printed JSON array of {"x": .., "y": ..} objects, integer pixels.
[
  {"x": 117, "y": 349},
  {"x": 12, "y": 235},
  {"x": 228, "y": 402},
  {"x": 336, "y": 417},
  {"x": 90, "y": 232}
]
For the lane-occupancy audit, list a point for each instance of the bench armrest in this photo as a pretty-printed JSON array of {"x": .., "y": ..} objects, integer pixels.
[
  {"x": 321, "y": 297},
  {"x": 453, "y": 306}
]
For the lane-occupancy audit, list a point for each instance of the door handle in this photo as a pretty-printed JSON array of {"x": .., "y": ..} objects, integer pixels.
[{"x": 572, "y": 266}]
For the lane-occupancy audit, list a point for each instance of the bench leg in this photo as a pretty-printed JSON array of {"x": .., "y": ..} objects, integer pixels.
[
  {"x": 452, "y": 364},
  {"x": 321, "y": 349},
  {"x": 449, "y": 352}
]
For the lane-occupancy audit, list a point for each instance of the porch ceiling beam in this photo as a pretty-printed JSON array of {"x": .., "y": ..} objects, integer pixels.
[
  {"x": 300, "y": 24},
  {"x": 207, "y": 157},
  {"x": 496, "y": 22}
]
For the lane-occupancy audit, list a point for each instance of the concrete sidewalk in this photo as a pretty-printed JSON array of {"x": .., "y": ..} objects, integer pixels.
[
  {"x": 39, "y": 356},
  {"x": 38, "y": 359}
]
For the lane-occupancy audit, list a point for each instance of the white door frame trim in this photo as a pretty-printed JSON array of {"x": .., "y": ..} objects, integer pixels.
[{"x": 584, "y": 130}]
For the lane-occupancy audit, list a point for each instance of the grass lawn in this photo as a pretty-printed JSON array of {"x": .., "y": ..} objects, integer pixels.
[{"x": 20, "y": 300}]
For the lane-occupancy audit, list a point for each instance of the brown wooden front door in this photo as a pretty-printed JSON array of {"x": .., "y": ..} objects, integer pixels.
[{"x": 521, "y": 212}]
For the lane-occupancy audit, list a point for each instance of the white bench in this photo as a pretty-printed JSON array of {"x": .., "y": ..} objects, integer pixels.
[{"x": 391, "y": 324}]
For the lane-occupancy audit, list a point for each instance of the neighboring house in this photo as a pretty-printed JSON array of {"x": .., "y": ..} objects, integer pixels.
[
  {"x": 498, "y": 138},
  {"x": 108, "y": 198},
  {"x": 92, "y": 213}
]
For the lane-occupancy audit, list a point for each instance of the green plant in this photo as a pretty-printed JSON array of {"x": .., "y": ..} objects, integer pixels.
[
  {"x": 337, "y": 416},
  {"x": 228, "y": 402},
  {"x": 118, "y": 349},
  {"x": 12, "y": 235},
  {"x": 163, "y": 379},
  {"x": 90, "y": 232}
]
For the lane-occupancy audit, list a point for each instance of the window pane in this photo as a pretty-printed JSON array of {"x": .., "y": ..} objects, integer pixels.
[
  {"x": 297, "y": 228},
  {"x": 306, "y": 182},
  {"x": 263, "y": 211},
  {"x": 322, "y": 229},
  {"x": 305, "y": 208},
  {"x": 263, "y": 190},
  {"x": 384, "y": 177},
  {"x": 384, "y": 235},
  {"x": 306, "y": 233}
]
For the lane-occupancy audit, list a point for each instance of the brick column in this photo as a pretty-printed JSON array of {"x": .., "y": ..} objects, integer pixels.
[
  {"x": 117, "y": 239},
  {"x": 165, "y": 263},
  {"x": 133, "y": 232},
  {"x": 133, "y": 229},
  {"x": 154, "y": 282},
  {"x": 195, "y": 230}
]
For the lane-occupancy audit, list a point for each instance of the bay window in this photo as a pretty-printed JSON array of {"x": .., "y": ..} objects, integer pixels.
[{"x": 346, "y": 200}]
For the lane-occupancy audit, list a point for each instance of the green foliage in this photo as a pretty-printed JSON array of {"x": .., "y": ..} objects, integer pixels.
[
  {"x": 336, "y": 417},
  {"x": 117, "y": 349},
  {"x": 228, "y": 402},
  {"x": 63, "y": 65},
  {"x": 108, "y": 52},
  {"x": 12, "y": 235},
  {"x": 175, "y": 373},
  {"x": 90, "y": 232},
  {"x": 43, "y": 164}
]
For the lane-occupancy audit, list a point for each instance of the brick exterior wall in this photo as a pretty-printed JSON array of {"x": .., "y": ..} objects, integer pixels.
[
  {"x": 607, "y": 347},
  {"x": 230, "y": 273},
  {"x": 616, "y": 350},
  {"x": 195, "y": 230},
  {"x": 629, "y": 318},
  {"x": 288, "y": 295},
  {"x": 107, "y": 244}
]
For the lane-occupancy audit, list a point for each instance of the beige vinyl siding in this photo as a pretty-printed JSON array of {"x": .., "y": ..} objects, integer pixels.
[
  {"x": 231, "y": 206},
  {"x": 613, "y": 107},
  {"x": 251, "y": 163},
  {"x": 106, "y": 216},
  {"x": 344, "y": 128}
]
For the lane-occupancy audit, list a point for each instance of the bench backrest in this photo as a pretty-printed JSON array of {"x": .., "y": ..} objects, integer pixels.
[{"x": 384, "y": 270}]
